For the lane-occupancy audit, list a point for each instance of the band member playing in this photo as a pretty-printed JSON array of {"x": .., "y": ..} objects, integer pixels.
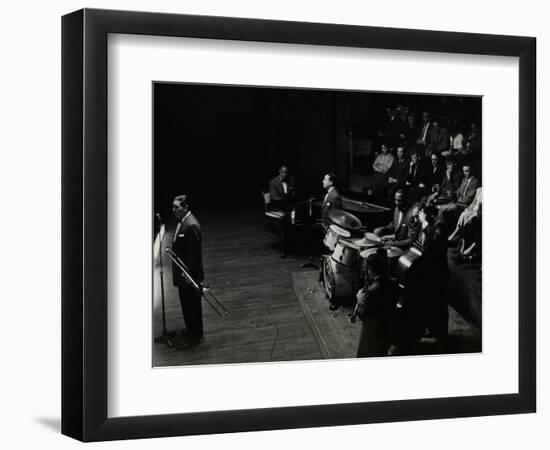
[
  {"x": 332, "y": 198},
  {"x": 425, "y": 309},
  {"x": 376, "y": 303},
  {"x": 187, "y": 244},
  {"x": 282, "y": 191},
  {"x": 283, "y": 197},
  {"x": 399, "y": 219}
]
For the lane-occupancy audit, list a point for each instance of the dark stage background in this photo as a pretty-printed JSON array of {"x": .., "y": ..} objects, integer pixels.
[{"x": 222, "y": 144}]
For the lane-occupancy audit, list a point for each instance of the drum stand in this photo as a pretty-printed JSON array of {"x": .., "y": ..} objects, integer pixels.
[
  {"x": 164, "y": 338},
  {"x": 310, "y": 263}
]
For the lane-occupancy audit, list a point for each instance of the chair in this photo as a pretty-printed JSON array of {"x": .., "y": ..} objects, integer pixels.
[
  {"x": 271, "y": 214},
  {"x": 276, "y": 220}
]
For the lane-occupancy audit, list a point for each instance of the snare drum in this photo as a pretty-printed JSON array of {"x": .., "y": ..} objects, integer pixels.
[
  {"x": 346, "y": 253},
  {"x": 333, "y": 234}
]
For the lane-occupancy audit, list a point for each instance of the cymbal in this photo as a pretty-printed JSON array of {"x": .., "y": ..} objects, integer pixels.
[
  {"x": 366, "y": 242},
  {"x": 344, "y": 219},
  {"x": 393, "y": 252},
  {"x": 340, "y": 231}
]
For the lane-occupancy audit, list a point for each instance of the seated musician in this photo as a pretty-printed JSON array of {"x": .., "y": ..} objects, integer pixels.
[
  {"x": 283, "y": 195},
  {"x": 332, "y": 199},
  {"x": 398, "y": 220},
  {"x": 376, "y": 304},
  {"x": 408, "y": 233},
  {"x": 282, "y": 190},
  {"x": 404, "y": 227}
]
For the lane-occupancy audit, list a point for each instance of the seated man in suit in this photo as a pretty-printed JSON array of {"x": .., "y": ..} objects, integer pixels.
[
  {"x": 438, "y": 141},
  {"x": 434, "y": 174},
  {"x": 462, "y": 197},
  {"x": 283, "y": 195},
  {"x": 416, "y": 178},
  {"x": 332, "y": 199},
  {"x": 398, "y": 220},
  {"x": 409, "y": 231},
  {"x": 448, "y": 185},
  {"x": 397, "y": 175},
  {"x": 282, "y": 191}
]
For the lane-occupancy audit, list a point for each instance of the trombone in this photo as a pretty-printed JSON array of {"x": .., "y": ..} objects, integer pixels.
[{"x": 210, "y": 298}]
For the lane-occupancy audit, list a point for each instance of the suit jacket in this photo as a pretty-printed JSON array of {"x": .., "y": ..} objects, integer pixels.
[
  {"x": 408, "y": 232},
  {"x": 434, "y": 177},
  {"x": 421, "y": 128},
  {"x": 437, "y": 142},
  {"x": 411, "y": 134},
  {"x": 187, "y": 245},
  {"x": 278, "y": 197},
  {"x": 395, "y": 225},
  {"x": 331, "y": 201},
  {"x": 399, "y": 171},
  {"x": 418, "y": 175},
  {"x": 466, "y": 192},
  {"x": 450, "y": 184}
]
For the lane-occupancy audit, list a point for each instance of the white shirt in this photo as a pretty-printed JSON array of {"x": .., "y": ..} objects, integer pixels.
[
  {"x": 180, "y": 223},
  {"x": 285, "y": 186},
  {"x": 328, "y": 192},
  {"x": 425, "y": 131}
]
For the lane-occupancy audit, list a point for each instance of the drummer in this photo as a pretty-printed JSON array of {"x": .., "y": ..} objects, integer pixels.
[
  {"x": 397, "y": 227},
  {"x": 407, "y": 233}
]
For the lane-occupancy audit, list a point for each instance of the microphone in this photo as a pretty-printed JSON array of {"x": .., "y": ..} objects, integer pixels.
[{"x": 159, "y": 218}]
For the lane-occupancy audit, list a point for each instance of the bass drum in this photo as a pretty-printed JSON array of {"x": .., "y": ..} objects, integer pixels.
[{"x": 341, "y": 282}]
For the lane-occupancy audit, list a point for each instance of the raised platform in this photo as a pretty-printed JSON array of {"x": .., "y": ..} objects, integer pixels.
[
  {"x": 337, "y": 337},
  {"x": 465, "y": 288}
]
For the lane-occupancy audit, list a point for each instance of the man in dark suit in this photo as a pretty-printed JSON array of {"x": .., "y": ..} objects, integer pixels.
[
  {"x": 187, "y": 244},
  {"x": 438, "y": 140},
  {"x": 332, "y": 199},
  {"x": 397, "y": 175},
  {"x": 399, "y": 219},
  {"x": 448, "y": 185},
  {"x": 463, "y": 196},
  {"x": 416, "y": 178},
  {"x": 282, "y": 190},
  {"x": 424, "y": 134},
  {"x": 434, "y": 174},
  {"x": 404, "y": 229},
  {"x": 282, "y": 198}
]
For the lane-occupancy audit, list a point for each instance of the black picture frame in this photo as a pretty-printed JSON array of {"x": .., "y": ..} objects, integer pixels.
[{"x": 84, "y": 224}]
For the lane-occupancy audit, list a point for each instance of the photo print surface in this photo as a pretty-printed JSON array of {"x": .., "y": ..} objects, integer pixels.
[{"x": 303, "y": 224}]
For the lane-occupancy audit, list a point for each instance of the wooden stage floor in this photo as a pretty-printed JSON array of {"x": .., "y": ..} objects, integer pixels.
[{"x": 278, "y": 311}]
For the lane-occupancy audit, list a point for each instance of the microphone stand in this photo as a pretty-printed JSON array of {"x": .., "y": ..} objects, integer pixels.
[{"x": 164, "y": 338}]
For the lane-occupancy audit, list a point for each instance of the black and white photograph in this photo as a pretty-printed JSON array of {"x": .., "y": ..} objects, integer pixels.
[{"x": 306, "y": 224}]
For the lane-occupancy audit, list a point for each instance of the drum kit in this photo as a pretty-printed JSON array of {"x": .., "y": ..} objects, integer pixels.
[{"x": 344, "y": 268}]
